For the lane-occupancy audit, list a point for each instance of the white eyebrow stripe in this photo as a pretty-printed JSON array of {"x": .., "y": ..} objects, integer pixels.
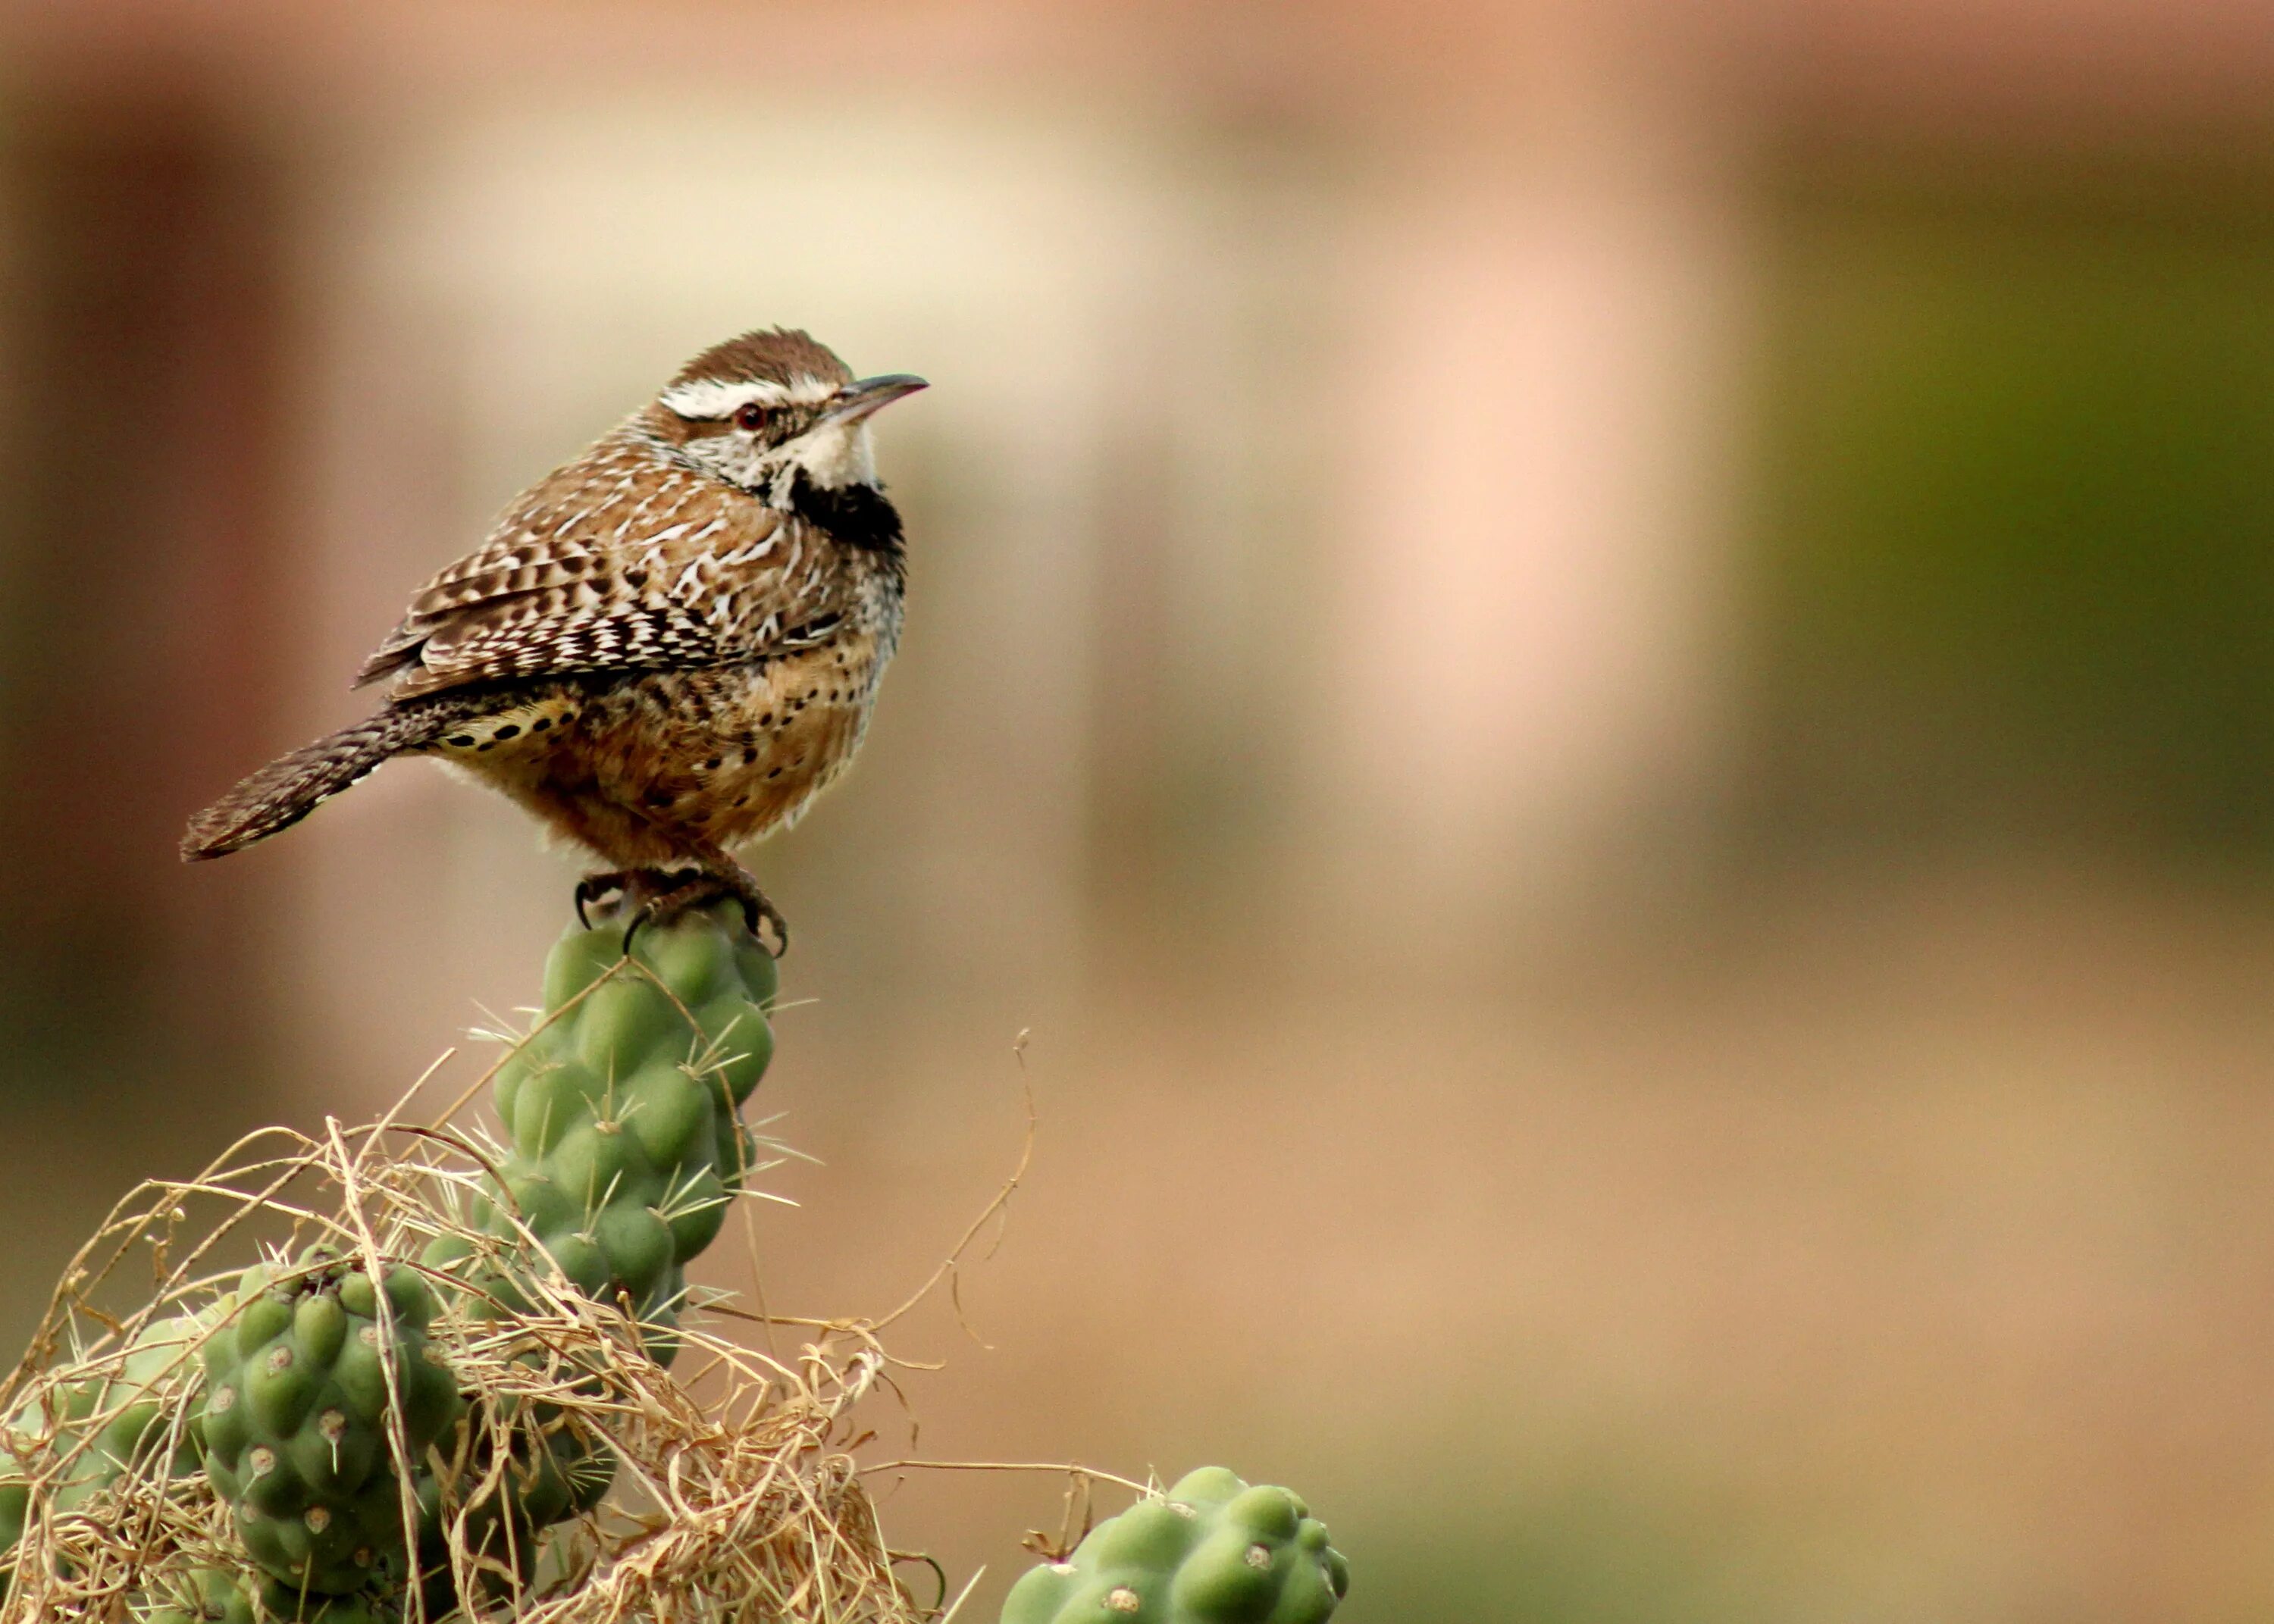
[
  {"x": 715, "y": 397},
  {"x": 718, "y": 397}
]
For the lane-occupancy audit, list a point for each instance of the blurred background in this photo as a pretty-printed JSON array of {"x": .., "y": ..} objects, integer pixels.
[{"x": 1598, "y": 678}]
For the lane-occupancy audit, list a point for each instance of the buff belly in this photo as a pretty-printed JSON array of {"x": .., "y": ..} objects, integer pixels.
[{"x": 675, "y": 766}]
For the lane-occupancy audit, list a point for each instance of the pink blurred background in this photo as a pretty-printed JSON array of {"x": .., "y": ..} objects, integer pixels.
[{"x": 1598, "y": 679}]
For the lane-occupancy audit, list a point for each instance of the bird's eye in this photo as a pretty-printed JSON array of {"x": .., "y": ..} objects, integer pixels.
[{"x": 751, "y": 415}]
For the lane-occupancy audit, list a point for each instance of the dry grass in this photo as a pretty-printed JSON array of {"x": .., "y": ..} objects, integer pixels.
[{"x": 735, "y": 1494}]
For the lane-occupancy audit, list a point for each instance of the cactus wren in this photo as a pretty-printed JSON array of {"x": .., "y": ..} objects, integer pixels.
[{"x": 664, "y": 649}]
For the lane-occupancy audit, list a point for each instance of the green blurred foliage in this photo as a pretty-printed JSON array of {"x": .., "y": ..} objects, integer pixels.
[
  {"x": 2017, "y": 545},
  {"x": 1588, "y": 1555}
]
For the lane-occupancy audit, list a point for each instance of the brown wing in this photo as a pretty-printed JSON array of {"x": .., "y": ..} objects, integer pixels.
[{"x": 622, "y": 560}]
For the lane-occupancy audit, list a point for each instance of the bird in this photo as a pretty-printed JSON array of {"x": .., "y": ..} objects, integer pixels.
[{"x": 664, "y": 650}]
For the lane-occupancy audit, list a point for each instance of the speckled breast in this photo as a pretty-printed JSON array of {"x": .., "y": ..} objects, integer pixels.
[{"x": 642, "y": 768}]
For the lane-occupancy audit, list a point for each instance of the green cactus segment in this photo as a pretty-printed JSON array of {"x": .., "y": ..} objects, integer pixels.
[
  {"x": 626, "y": 1145},
  {"x": 107, "y": 1426},
  {"x": 215, "y": 1595},
  {"x": 1212, "y": 1551},
  {"x": 626, "y": 1148},
  {"x": 296, "y": 1418},
  {"x": 550, "y": 1474},
  {"x": 208, "y": 1595}
]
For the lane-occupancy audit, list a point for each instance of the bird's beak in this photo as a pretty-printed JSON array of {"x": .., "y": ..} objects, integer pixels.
[{"x": 864, "y": 395}]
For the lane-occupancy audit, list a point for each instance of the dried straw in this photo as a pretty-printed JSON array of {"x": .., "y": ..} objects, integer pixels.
[{"x": 734, "y": 1499}]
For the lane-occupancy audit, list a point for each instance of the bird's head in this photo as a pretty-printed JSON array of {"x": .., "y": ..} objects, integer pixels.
[{"x": 761, "y": 410}]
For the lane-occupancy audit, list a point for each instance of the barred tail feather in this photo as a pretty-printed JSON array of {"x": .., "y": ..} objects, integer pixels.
[{"x": 287, "y": 790}]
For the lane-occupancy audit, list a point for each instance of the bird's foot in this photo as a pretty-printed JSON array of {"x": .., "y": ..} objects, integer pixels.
[
  {"x": 658, "y": 897},
  {"x": 595, "y": 887},
  {"x": 697, "y": 887}
]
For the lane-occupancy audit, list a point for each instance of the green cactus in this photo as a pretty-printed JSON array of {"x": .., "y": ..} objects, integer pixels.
[
  {"x": 625, "y": 1149},
  {"x": 297, "y": 1414},
  {"x": 626, "y": 1144},
  {"x": 135, "y": 1421},
  {"x": 552, "y": 1474},
  {"x": 207, "y": 1596},
  {"x": 282, "y": 1603},
  {"x": 322, "y": 1399},
  {"x": 215, "y": 1595},
  {"x": 1212, "y": 1551}
]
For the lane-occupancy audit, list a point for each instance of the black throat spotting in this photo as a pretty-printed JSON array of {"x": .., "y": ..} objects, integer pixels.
[{"x": 858, "y": 515}]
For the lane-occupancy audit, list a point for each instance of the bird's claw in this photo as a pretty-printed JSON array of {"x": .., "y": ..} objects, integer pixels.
[
  {"x": 658, "y": 897},
  {"x": 757, "y": 907},
  {"x": 592, "y": 887}
]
